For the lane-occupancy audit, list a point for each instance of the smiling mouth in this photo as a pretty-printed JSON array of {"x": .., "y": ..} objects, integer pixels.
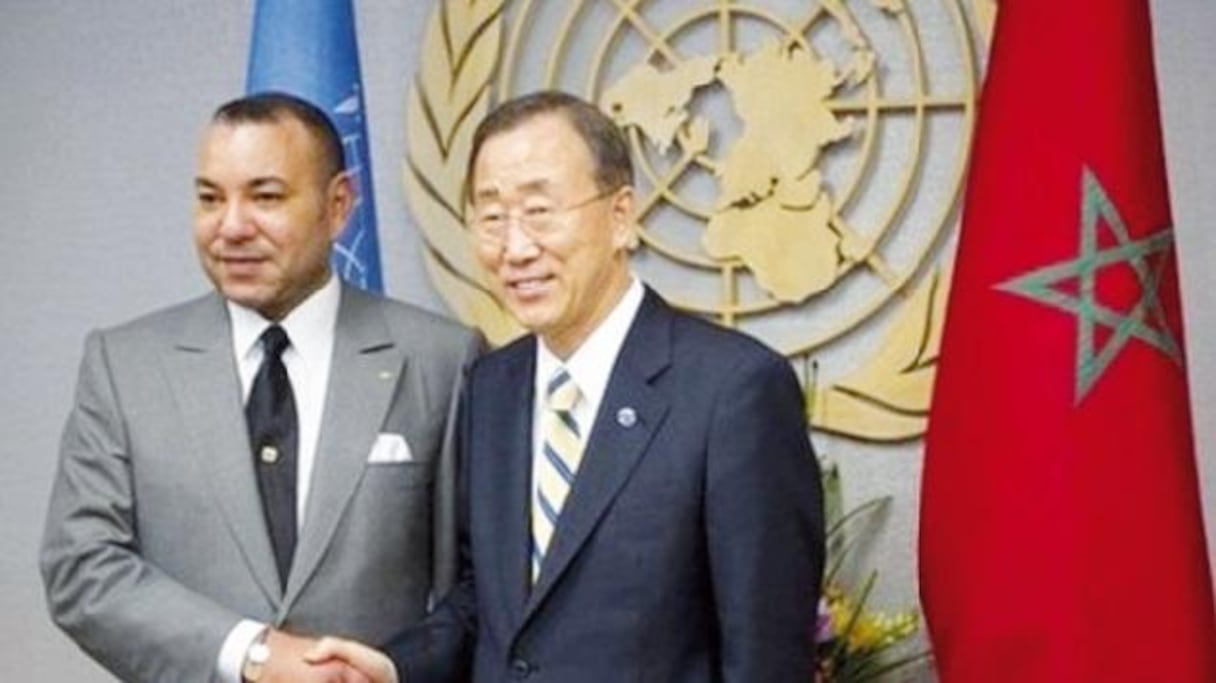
[
  {"x": 529, "y": 286},
  {"x": 239, "y": 265},
  {"x": 239, "y": 257}
]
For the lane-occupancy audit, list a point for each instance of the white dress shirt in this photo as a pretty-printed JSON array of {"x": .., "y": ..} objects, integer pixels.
[
  {"x": 590, "y": 366},
  {"x": 310, "y": 327}
]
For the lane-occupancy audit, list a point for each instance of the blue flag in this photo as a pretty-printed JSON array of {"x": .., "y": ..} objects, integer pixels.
[{"x": 307, "y": 48}]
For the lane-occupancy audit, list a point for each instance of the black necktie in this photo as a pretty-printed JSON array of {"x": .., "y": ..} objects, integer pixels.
[{"x": 273, "y": 434}]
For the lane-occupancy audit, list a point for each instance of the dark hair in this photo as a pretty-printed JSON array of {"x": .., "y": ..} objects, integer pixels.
[
  {"x": 607, "y": 143},
  {"x": 273, "y": 107}
]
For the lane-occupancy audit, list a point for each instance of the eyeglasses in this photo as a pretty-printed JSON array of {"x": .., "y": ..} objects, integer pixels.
[{"x": 537, "y": 218}]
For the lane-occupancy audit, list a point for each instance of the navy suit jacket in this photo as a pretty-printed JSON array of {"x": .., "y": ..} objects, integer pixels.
[{"x": 690, "y": 548}]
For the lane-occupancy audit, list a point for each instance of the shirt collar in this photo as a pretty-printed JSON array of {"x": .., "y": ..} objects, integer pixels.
[
  {"x": 307, "y": 325},
  {"x": 591, "y": 363}
]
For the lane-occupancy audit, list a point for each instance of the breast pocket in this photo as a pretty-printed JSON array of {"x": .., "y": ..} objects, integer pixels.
[
  {"x": 648, "y": 519},
  {"x": 392, "y": 510},
  {"x": 390, "y": 476}
]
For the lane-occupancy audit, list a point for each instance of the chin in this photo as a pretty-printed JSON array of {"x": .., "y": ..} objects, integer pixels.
[
  {"x": 243, "y": 296},
  {"x": 532, "y": 320}
]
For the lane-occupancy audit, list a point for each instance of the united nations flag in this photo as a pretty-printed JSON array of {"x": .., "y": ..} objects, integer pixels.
[{"x": 307, "y": 48}]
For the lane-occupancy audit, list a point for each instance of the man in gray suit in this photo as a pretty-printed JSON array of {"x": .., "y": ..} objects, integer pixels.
[{"x": 269, "y": 462}]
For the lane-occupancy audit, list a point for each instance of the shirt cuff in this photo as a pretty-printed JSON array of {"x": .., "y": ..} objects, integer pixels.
[{"x": 232, "y": 655}]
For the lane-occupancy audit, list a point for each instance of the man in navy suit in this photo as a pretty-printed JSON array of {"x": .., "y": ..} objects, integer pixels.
[{"x": 664, "y": 522}]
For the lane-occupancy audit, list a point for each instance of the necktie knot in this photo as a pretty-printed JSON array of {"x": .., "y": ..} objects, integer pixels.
[
  {"x": 275, "y": 341},
  {"x": 562, "y": 393}
]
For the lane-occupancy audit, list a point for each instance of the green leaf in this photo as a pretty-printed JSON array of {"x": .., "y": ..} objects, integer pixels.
[
  {"x": 833, "y": 500},
  {"x": 839, "y": 544},
  {"x": 843, "y": 639},
  {"x": 874, "y": 505},
  {"x": 888, "y": 667}
]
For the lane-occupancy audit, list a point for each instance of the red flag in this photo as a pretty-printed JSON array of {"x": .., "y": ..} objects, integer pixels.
[{"x": 1061, "y": 530}]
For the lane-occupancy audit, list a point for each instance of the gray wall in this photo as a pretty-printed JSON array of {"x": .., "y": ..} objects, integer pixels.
[{"x": 101, "y": 102}]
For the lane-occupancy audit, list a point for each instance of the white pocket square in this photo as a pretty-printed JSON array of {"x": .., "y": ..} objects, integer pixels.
[{"x": 390, "y": 448}]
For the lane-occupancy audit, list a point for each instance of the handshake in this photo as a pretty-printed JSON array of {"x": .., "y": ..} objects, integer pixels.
[{"x": 284, "y": 657}]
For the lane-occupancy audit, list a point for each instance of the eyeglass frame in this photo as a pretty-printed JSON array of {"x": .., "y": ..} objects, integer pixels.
[{"x": 518, "y": 215}]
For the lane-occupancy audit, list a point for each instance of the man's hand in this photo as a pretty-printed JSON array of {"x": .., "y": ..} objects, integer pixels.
[
  {"x": 287, "y": 663},
  {"x": 370, "y": 662}
]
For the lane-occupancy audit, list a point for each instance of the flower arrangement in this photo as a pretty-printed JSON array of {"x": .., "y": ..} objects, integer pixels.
[{"x": 851, "y": 640}]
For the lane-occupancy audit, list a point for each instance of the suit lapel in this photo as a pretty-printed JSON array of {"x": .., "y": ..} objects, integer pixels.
[
  {"x": 205, "y": 382},
  {"x": 365, "y": 369},
  {"x": 508, "y": 467},
  {"x": 616, "y": 442}
]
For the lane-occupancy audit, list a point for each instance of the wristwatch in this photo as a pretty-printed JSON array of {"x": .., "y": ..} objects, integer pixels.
[{"x": 255, "y": 659}]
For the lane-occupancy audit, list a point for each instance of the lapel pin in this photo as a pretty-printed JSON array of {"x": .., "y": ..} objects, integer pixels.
[
  {"x": 386, "y": 374},
  {"x": 626, "y": 417},
  {"x": 269, "y": 455}
]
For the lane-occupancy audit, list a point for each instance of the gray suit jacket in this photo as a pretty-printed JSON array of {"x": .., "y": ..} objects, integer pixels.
[{"x": 155, "y": 542}]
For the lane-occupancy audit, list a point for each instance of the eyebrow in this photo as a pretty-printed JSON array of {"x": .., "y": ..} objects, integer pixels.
[
  {"x": 200, "y": 181},
  {"x": 531, "y": 186}
]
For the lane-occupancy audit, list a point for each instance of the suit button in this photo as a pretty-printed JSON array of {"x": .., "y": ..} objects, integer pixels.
[{"x": 521, "y": 668}]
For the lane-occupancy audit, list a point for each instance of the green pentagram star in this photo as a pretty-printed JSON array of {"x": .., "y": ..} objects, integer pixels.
[{"x": 1145, "y": 321}]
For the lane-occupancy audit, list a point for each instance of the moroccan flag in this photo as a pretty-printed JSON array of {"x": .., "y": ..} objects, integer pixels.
[
  {"x": 307, "y": 48},
  {"x": 1061, "y": 533}
]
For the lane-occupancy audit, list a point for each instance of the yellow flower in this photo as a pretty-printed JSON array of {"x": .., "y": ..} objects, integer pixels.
[{"x": 870, "y": 631}]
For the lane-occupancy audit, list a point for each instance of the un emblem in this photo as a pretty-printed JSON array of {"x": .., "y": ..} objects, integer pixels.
[{"x": 799, "y": 168}]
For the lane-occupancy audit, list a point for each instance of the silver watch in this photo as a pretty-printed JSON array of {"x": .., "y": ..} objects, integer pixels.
[{"x": 255, "y": 660}]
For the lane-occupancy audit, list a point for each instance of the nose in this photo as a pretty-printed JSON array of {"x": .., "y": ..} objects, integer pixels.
[
  {"x": 518, "y": 244},
  {"x": 235, "y": 224}
]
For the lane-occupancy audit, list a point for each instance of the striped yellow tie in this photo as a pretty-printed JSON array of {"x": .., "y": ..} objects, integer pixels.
[{"x": 560, "y": 457}]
